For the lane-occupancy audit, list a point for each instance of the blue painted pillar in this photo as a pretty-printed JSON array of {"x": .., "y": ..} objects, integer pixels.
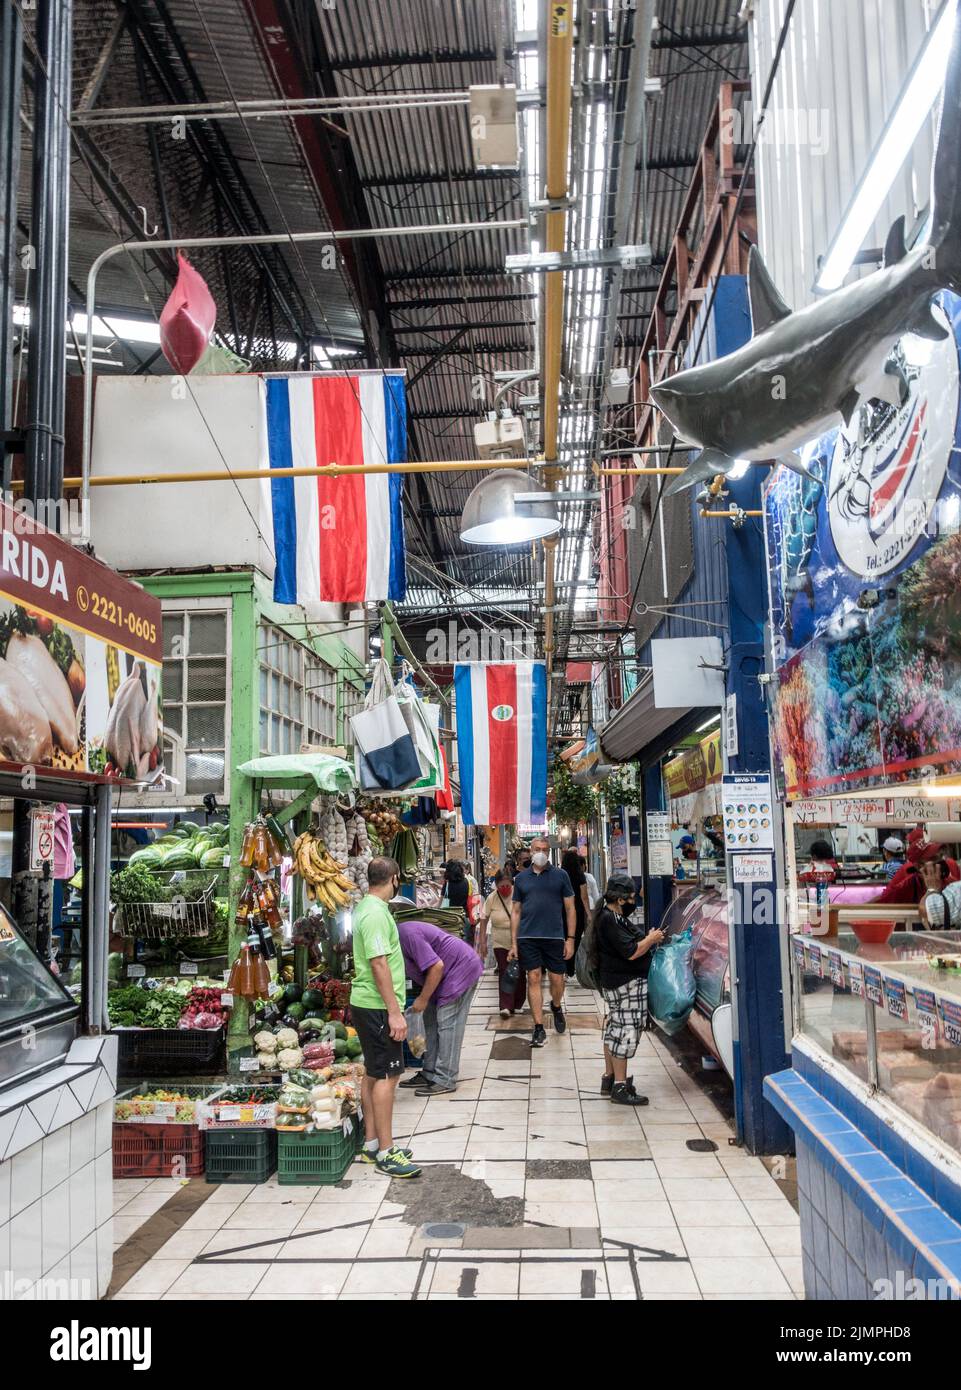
[{"x": 756, "y": 945}]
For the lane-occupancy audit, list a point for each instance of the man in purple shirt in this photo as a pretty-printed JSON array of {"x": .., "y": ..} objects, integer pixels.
[{"x": 445, "y": 970}]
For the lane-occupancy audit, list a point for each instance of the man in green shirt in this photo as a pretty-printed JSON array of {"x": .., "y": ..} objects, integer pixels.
[{"x": 376, "y": 1007}]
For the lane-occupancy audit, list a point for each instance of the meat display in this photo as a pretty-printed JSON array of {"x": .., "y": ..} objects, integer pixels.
[
  {"x": 25, "y": 734},
  {"x": 30, "y": 657},
  {"x": 133, "y": 724}
]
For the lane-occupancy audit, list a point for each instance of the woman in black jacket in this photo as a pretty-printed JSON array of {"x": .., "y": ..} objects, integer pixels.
[
  {"x": 457, "y": 891},
  {"x": 623, "y": 952}
]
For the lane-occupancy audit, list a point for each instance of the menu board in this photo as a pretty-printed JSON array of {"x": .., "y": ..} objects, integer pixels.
[{"x": 747, "y": 812}]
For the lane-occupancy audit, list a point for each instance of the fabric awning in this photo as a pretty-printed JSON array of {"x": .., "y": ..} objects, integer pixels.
[{"x": 639, "y": 725}]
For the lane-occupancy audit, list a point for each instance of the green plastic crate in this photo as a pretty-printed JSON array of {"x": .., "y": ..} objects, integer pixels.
[
  {"x": 319, "y": 1159},
  {"x": 240, "y": 1155}
]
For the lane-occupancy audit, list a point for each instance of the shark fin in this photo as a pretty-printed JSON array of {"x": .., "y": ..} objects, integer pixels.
[
  {"x": 767, "y": 305},
  {"x": 708, "y": 463},
  {"x": 849, "y": 404},
  {"x": 925, "y": 325},
  {"x": 793, "y": 461},
  {"x": 894, "y": 248}
]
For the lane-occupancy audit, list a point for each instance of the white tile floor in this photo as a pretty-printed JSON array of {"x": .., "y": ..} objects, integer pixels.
[{"x": 665, "y": 1222}]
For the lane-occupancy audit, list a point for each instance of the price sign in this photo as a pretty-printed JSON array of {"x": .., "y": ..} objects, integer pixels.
[
  {"x": 226, "y": 1000},
  {"x": 872, "y": 985},
  {"x": 836, "y": 968},
  {"x": 249, "y": 1064},
  {"x": 135, "y": 972},
  {"x": 798, "y": 949},
  {"x": 950, "y": 1012},
  {"x": 896, "y": 997},
  {"x": 856, "y": 977},
  {"x": 816, "y": 963},
  {"x": 229, "y": 1113},
  {"x": 927, "y": 1007},
  {"x": 188, "y": 967}
]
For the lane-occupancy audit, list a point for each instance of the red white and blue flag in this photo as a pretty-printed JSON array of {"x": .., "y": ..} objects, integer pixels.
[
  {"x": 501, "y": 713},
  {"x": 337, "y": 539}
]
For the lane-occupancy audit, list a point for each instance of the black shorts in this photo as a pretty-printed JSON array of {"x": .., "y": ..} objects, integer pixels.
[
  {"x": 382, "y": 1056},
  {"x": 542, "y": 953}
]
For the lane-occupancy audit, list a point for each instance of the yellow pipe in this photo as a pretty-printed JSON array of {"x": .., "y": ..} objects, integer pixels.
[
  {"x": 733, "y": 513},
  {"x": 330, "y": 470}
]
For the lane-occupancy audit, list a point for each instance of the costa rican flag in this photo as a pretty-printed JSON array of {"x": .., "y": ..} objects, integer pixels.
[
  {"x": 501, "y": 710},
  {"x": 337, "y": 539}
]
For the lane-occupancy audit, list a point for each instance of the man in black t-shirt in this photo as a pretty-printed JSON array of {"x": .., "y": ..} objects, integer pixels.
[{"x": 542, "y": 933}]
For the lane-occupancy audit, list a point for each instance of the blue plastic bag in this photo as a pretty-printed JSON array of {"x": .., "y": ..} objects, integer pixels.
[{"x": 670, "y": 984}]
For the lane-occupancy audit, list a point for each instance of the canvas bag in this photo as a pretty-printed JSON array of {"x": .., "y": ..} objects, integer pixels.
[
  {"x": 423, "y": 723},
  {"x": 385, "y": 756}
]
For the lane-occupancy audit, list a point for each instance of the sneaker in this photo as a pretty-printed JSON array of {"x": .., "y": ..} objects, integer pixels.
[
  {"x": 434, "y": 1088},
  {"x": 539, "y": 1037},
  {"x": 506, "y": 1013},
  {"x": 365, "y": 1155},
  {"x": 412, "y": 1082},
  {"x": 560, "y": 1022},
  {"x": 607, "y": 1083},
  {"x": 624, "y": 1094},
  {"x": 396, "y": 1164}
]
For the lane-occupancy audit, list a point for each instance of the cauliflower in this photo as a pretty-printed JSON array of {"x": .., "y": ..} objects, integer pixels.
[
  {"x": 289, "y": 1057},
  {"x": 266, "y": 1060},
  {"x": 265, "y": 1042},
  {"x": 286, "y": 1037}
]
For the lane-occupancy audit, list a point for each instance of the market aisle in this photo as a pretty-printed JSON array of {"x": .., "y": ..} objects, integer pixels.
[{"x": 544, "y": 1188}]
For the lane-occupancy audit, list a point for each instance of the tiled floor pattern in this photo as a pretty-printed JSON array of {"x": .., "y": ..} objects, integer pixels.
[{"x": 615, "y": 1203}]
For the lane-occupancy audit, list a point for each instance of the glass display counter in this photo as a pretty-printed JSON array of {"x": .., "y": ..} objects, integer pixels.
[
  {"x": 33, "y": 1004},
  {"x": 891, "y": 1015}
]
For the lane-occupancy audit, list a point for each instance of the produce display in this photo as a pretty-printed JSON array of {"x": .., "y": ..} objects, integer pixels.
[
  {"x": 173, "y": 1004},
  {"x": 157, "y": 1107},
  {"x": 240, "y": 1106},
  {"x": 186, "y": 846},
  {"x": 322, "y": 1101},
  {"x": 323, "y": 876}
]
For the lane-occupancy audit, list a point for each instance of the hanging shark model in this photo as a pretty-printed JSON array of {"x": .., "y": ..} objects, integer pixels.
[{"x": 802, "y": 370}]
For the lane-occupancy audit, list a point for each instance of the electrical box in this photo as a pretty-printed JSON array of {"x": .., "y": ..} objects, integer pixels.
[
  {"x": 493, "y": 126},
  {"x": 618, "y": 389},
  {"x": 500, "y": 438}
]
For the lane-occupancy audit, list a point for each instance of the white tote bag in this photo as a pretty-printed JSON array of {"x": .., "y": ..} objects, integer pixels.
[{"x": 386, "y": 757}]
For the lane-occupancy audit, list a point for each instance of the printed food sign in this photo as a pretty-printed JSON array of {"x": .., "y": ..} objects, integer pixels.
[{"x": 80, "y": 660}]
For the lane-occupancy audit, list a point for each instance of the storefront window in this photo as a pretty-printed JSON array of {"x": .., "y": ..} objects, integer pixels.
[
  {"x": 298, "y": 695},
  {"x": 195, "y": 645}
]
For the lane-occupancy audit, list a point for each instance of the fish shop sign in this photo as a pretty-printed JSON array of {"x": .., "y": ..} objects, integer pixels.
[{"x": 81, "y": 653}]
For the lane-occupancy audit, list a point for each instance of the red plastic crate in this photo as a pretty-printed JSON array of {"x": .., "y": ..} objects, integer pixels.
[{"x": 158, "y": 1151}]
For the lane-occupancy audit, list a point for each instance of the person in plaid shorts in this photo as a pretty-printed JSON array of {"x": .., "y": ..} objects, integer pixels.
[{"x": 623, "y": 951}]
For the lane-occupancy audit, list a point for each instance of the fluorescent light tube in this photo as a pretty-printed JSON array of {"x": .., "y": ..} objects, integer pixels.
[{"x": 905, "y": 121}]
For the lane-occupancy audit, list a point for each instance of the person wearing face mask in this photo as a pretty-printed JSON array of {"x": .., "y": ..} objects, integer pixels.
[
  {"x": 543, "y": 924},
  {"x": 623, "y": 960},
  {"x": 496, "y": 919},
  {"x": 377, "y": 992}
]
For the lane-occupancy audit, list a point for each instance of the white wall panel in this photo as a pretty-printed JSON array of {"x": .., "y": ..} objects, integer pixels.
[{"x": 847, "y": 59}]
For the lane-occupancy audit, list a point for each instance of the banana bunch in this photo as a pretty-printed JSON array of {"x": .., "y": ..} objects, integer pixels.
[{"x": 324, "y": 878}]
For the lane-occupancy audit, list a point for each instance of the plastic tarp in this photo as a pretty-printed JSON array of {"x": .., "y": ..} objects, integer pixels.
[{"x": 329, "y": 774}]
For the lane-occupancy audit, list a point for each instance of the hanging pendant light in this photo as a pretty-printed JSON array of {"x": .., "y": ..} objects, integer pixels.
[{"x": 506, "y": 508}]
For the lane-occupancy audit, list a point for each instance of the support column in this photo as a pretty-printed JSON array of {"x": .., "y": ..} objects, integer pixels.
[
  {"x": 657, "y": 889},
  {"x": 11, "y": 55},
  {"x": 46, "y": 367},
  {"x": 757, "y": 935}
]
